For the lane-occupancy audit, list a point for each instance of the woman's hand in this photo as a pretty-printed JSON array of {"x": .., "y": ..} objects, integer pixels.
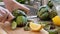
[
  {"x": 12, "y": 5},
  {"x": 5, "y": 15}
]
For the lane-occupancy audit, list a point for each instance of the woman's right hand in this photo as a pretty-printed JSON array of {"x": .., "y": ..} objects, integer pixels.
[{"x": 5, "y": 15}]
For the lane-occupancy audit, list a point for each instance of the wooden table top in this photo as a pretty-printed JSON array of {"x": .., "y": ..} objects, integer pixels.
[{"x": 7, "y": 27}]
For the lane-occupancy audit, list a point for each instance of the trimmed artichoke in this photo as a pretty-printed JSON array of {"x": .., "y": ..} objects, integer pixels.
[
  {"x": 43, "y": 13},
  {"x": 21, "y": 21},
  {"x": 46, "y": 12}
]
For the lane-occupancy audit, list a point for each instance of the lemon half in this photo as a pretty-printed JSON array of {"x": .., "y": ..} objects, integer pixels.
[
  {"x": 56, "y": 20},
  {"x": 35, "y": 27}
]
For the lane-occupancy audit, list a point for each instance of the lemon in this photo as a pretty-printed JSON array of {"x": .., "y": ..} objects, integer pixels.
[
  {"x": 56, "y": 20},
  {"x": 35, "y": 27}
]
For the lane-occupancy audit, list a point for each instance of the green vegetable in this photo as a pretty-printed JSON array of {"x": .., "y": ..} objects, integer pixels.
[
  {"x": 21, "y": 21},
  {"x": 52, "y": 13},
  {"x": 21, "y": 1},
  {"x": 20, "y": 17},
  {"x": 27, "y": 28},
  {"x": 45, "y": 24},
  {"x": 44, "y": 16},
  {"x": 43, "y": 13},
  {"x": 47, "y": 12},
  {"x": 15, "y": 13},
  {"x": 18, "y": 13},
  {"x": 14, "y": 25},
  {"x": 52, "y": 32}
]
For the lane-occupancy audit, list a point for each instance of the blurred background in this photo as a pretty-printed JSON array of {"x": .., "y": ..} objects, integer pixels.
[{"x": 35, "y": 4}]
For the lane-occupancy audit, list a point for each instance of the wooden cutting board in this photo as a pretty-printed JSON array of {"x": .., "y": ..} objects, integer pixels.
[
  {"x": 21, "y": 31},
  {"x": 8, "y": 29}
]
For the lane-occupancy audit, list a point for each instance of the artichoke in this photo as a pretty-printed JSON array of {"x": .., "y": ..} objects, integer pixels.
[
  {"x": 21, "y": 21},
  {"x": 18, "y": 13},
  {"x": 46, "y": 12},
  {"x": 43, "y": 13}
]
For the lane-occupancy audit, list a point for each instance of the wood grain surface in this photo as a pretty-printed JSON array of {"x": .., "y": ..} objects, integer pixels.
[{"x": 6, "y": 27}]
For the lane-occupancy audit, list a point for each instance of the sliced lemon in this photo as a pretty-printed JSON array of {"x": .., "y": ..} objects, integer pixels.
[{"x": 35, "y": 27}]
